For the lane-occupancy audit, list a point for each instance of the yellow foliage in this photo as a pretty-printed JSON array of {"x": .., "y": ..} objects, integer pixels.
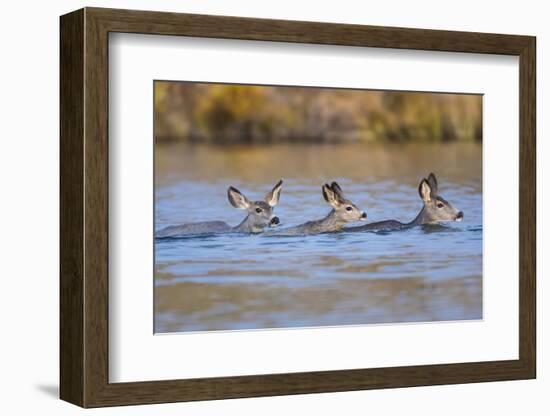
[{"x": 226, "y": 113}]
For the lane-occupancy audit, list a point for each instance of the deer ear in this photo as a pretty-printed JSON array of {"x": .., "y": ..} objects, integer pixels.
[
  {"x": 237, "y": 199},
  {"x": 330, "y": 196},
  {"x": 425, "y": 191},
  {"x": 432, "y": 181},
  {"x": 337, "y": 190},
  {"x": 339, "y": 194},
  {"x": 272, "y": 198},
  {"x": 326, "y": 192}
]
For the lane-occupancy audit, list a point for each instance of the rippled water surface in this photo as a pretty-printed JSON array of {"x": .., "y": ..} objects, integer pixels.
[{"x": 232, "y": 281}]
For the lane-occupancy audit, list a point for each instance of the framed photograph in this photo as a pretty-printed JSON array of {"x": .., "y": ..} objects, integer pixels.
[{"x": 255, "y": 207}]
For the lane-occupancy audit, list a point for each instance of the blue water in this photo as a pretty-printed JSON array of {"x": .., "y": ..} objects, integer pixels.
[{"x": 234, "y": 281}]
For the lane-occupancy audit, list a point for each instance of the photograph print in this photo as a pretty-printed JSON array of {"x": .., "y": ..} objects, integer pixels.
[{"x": 301, "y": 207}]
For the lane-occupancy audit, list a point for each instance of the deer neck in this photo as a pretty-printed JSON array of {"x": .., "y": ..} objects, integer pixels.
[
  {"x": 421, "y": 218},
  {"x": 247, "y": 226},
  {"x": 331, "y": 222}
]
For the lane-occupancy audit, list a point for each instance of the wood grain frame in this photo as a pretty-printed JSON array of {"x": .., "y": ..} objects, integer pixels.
[{"x": 84, "y": 218}]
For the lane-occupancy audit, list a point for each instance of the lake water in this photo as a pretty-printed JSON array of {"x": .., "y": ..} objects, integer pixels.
[{"x": 236, "y": 282}]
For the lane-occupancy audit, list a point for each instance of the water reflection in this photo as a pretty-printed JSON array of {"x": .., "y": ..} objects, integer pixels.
[{"x": 226, "y": 282}]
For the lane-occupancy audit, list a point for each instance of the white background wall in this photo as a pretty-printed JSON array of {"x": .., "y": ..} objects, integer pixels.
[{"x": 29, "y": 206}]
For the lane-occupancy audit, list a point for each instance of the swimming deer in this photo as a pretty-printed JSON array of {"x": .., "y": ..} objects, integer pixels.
[
  {"x": 435, "y": 210},
  {"x": 343, "y": 212},
  {"x": 259, "y": 216}
]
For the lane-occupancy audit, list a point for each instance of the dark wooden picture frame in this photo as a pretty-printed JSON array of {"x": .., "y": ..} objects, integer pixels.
[{"x": 84, "y": 207}]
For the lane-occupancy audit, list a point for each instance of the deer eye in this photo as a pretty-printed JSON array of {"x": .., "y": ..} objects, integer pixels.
[
  {"x": 439, "y": 205},
  {"x": 349, "y": 208},
  {"x": 258, "y": 210}
]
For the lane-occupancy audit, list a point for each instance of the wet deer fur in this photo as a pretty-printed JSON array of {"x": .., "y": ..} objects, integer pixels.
[
  {"x": 259, "y": 216},
  {"x": 343, "y": 212},
  {"x": 434, "y": 211}
]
